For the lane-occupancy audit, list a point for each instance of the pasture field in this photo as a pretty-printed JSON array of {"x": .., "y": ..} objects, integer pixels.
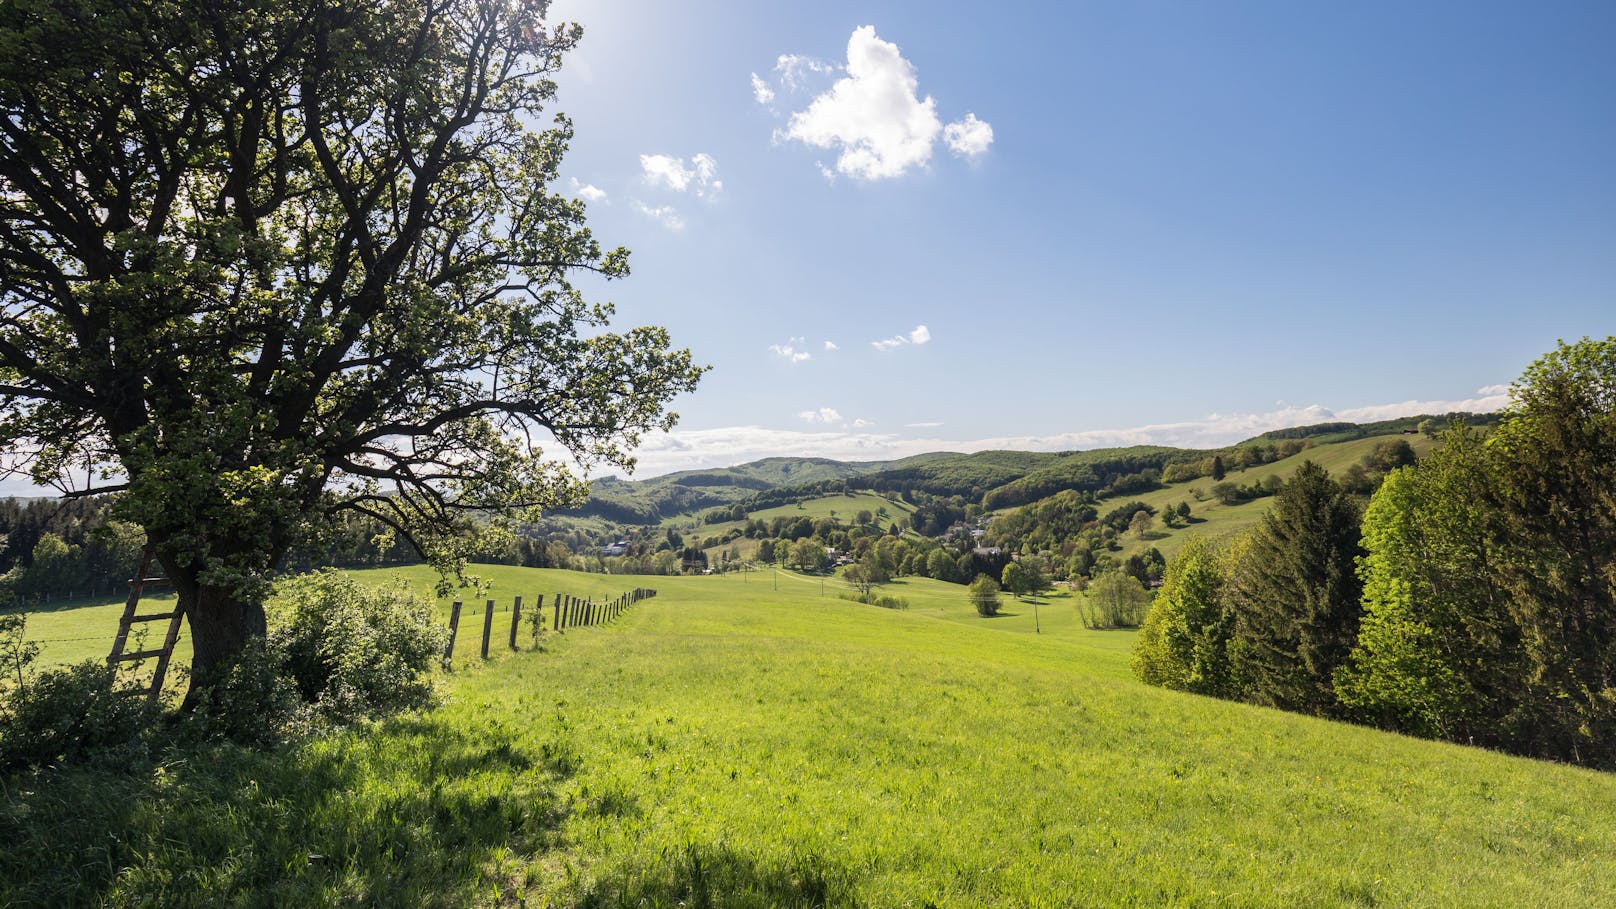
[
  {"x": 728, "y": 743},
  {"x": 845, "y": 505},
  {"x": 1213, "y": 519}
]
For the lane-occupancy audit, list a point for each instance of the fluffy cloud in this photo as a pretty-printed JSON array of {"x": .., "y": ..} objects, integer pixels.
[
  {"x": 920, "y": 335},
  {"x": 587, "y": 192},
  {"x": 831, "y": 345},
  {"x": 698, "y": 176},
  {"x": 968, "y": 138},
  {"x": 826, "y": 415},
  {"x": 795, "y": 69},
  {"x": 666, "y": 215},
  {"x": 761, "y": 90},
  {"x": 792, "y": 351},
  {"x": 873, "y": 116}
]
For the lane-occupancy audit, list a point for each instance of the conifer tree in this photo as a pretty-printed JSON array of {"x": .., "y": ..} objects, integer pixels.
[{"x": 1296, "y": 615}]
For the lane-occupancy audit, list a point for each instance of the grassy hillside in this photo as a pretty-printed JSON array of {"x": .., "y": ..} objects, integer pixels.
[
  {"x": 841, "y": 506},
  {"x": 730, "y": 744},
  {"x": 1212, "y": 518}
]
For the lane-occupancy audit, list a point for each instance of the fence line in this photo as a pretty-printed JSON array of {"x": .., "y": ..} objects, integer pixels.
[{"x": 570, "y": 612}]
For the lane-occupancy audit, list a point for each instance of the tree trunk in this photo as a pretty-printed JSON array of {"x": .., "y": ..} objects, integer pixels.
[{"x": 222, "y": 625}]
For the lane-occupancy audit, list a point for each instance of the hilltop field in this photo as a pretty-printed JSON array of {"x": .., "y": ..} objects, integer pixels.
[{"x": 753, "y": 740}]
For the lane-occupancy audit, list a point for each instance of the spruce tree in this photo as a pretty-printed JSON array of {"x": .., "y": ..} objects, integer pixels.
[{"x": 1296, "y": 607}]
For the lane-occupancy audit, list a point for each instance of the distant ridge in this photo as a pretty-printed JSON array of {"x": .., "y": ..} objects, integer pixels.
[{"x": 995, "y": 479}]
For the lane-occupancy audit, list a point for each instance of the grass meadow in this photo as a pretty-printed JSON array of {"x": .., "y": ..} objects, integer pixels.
[
  {"x": 753, "y": 740},
  {"x": 1213, "y": 519}
]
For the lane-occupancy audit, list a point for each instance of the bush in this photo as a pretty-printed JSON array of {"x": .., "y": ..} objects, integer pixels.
[
  {"x": 1113, "y": 600},
  {"x": 877, "y": 599},
  {"x": 984, "y": 594},
  {"x": 351, "y": 651},
  {"x": 254, "y": 704},
  {"x": 71, "y": 714}
]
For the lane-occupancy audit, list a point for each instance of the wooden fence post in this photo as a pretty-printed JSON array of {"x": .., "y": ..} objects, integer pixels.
[
  {"x": 558, "y": 612},
  {"x": 454, "y": 628},
  {"x": 488, "y": 625},
  {"x": 516, "y": 619}
]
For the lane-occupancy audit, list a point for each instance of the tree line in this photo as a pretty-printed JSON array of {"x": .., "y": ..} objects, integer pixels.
[{"x": 1472, "y": 600}]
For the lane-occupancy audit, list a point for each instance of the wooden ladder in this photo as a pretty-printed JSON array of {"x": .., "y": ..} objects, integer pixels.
[{"x": 137, "y": 586}]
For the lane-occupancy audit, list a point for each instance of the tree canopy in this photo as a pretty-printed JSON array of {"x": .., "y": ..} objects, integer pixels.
[{"x": 262, "y": 263}]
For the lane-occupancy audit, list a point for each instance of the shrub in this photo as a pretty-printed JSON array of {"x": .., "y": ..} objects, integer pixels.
[
  {"x": 877, "y": 599},
  {"x": 353, "y": 651},
  {"x": 254, "y": 704},
  {"x": 984, "y": 594},
  {"x": 71, "y": 714},
  {"x": 1113, "y": 600}
]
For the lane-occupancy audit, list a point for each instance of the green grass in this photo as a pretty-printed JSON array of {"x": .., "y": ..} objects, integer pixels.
[
  {"x": 83, "y": 629},
  {"x": 730, "y": 744},
  {"x": 846, "y": 505}
]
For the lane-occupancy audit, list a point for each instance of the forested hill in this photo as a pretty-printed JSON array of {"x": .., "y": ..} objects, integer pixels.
[
  {"x": 649, "y": 501},
  {"x": 992, "y": 479}
]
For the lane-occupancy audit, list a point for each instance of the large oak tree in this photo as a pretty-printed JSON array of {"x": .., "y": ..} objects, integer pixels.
[{"x": 266, "y": 261}]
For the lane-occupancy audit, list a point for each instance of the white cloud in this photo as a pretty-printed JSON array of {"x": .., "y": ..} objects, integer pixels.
[
  {"x": 795, "y": 68},
  {"x": 872, "y": 114},
  {"x": 728, "y": 446},
  {"x": 1489, "y": 390},
  {"x": 666, "y": 215},
  {"x": 831, "y": 345},
  {"x": 826, "y": 415},
  {"x": 968, "y": 138},
  {"x": 588, "y": 192},
  {"x": 699, "y": 176},
  {"x": 928, "y": 425},
  {"x": 761, "y": 90},
  {"x": 792, "y": 351},
  {"x": 920, "y": 335},
  {"x": 862, "y": 424}
]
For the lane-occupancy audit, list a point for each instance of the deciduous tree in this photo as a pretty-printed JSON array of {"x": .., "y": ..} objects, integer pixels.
[{"x": 265, "y": 262}]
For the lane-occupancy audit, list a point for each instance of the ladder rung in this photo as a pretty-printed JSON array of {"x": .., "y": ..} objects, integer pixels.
[
  {"x": 137, "y": 655},
  {"x": 153, "y": 617}
]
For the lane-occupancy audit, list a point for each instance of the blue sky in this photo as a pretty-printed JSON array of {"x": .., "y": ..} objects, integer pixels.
[
  {"x": 1067, "y": 225},
  {"x": 894, "y": 227}
]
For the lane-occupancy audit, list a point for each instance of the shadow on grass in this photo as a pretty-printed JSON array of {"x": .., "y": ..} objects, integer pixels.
[
  {"x": 61, "y": 605},
  {"x": 413, "y": 812},
  {"x": 700, "y": 877}
]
